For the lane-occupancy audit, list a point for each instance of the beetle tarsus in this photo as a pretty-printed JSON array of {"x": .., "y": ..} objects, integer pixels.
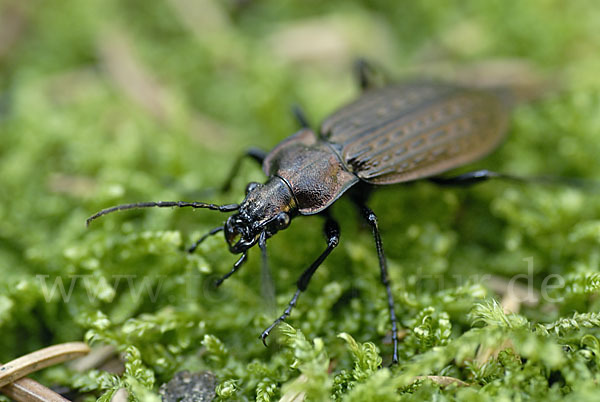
[
  {"x": 371, "y": 219},
  {"x": 204, "y": 237},
  {"x": 238, "y": 264},
  {"x": 282, "y": 317},
  {"x": 470, "y": 178},
  {"x": 263, "y": 337}
]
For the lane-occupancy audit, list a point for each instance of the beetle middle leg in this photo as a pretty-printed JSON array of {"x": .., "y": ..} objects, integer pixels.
[
  {"x": 371, "y": 219},
  {"x": 332, "y": 232},
  {"x": 256, "y": 154}
]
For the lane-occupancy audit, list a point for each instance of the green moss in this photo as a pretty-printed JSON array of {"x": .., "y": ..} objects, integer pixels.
[{"x": 77, "y": 137}]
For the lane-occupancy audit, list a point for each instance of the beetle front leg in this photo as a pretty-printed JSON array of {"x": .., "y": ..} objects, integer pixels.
[
  {"x": 254, "y": 153},
  {"x": 204, "y": 237},
  {"x": 332, "y": 232},
  {"x": 371, "y": 219},
  {"x": 235, "y": 268}
]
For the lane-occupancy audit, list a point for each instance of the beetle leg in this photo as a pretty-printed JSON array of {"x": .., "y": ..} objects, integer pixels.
[
  {"x": 367, "y": 75},
  {"x": 371, "y": 219},
  {"x": 236, "y": 266},
  {"x": 200, "y": 240},
  {"x": 477, "y": 176},
  {"x": 332, "y": 231},
  {"x": 300, "y": 116},
  {"x": 254, "y": 153},
  {"x": 469, "y": 178}
]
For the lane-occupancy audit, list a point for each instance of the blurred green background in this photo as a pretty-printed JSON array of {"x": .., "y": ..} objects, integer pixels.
[{"x": 108, "y": 102}]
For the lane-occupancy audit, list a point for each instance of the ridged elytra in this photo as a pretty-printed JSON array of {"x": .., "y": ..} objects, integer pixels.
[{"x": 389, "y": 134}]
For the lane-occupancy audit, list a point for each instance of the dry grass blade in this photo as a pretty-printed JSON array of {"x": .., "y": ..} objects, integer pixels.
[
  {"x": 293, "y": 394},
  {"x": 13, "y": 23},
  {"x": 130, "y": 75},
  {"x": 95, "y": 359},
  {"x": 120, "y": 396},
  {"x": 485, "y": 354},
  {"x": 443, "y": 380},
  {"x": 28, "y": 390},
  {"x": 514, "y": 294},
  {"x": 24, "y": 365},
  {"x": 201, "y": 17}
]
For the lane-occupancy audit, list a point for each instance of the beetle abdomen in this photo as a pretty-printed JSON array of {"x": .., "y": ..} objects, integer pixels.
[{"x": 412, "y": 131}]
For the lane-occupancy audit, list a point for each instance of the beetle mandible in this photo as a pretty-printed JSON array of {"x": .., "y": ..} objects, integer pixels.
[{"x": 390, "y": 134}]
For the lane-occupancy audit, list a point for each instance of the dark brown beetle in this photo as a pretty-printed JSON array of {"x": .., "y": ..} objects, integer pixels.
[{"x": 392, "y": 134}]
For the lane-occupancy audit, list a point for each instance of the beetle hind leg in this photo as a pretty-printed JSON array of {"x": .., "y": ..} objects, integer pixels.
[
  {"x": 332, "y": 232},
  {"x": 371, "y": 219}
]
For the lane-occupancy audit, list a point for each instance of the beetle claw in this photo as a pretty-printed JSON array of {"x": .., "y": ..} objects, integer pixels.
[{"x": 263, "y": 337}]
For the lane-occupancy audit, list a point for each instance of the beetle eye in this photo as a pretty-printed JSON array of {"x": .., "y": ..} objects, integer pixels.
[
  {"x": 282, "y": 221},
  {"x": 251, "y": 186}
]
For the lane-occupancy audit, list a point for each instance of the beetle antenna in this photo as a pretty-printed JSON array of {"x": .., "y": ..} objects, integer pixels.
[{"x": 164, "y": 204}]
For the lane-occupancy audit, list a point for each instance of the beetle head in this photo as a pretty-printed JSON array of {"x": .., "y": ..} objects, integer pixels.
[{"x": 267, "y": 208}]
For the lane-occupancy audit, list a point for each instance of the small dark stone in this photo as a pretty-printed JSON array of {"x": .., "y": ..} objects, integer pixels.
[{"x": 189, "y": 387}]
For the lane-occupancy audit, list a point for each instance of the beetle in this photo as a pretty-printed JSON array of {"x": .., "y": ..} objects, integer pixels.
[{"x": 390, "y": 134}]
